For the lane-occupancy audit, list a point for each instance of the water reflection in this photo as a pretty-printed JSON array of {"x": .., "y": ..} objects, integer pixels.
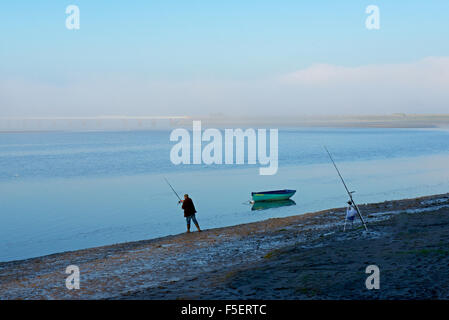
[{"x": 264, "y": 205}]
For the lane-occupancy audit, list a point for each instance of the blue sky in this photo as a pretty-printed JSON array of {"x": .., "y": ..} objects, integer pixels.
[{"x": 181, "y": 41}]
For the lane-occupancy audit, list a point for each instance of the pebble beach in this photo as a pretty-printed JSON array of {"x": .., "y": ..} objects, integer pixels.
[{"x": 307, "y": 256}]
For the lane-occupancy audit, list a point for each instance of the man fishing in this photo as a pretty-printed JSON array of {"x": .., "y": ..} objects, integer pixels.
[
  {"x": 350, "y": 214},
  {"x": 188, "y": 206},
  {"x": 189, "y": 212},
  {"x": 354, "y": 209}
]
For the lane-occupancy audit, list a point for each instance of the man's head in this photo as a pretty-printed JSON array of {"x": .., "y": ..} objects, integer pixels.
[
  {"x": 186, "y": 196},
  {"x": 349, "y": 202}
]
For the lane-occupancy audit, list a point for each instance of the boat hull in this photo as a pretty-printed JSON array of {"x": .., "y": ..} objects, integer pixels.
[{"x": 276, "y": 195}]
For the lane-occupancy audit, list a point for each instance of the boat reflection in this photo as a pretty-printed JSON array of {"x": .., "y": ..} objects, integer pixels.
[{"x": 264, "y": 205}]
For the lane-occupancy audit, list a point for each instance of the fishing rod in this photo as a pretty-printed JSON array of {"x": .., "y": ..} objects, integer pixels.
[
  {"x": 347, "y": 190},
  {"x": 172, "y": 189}
]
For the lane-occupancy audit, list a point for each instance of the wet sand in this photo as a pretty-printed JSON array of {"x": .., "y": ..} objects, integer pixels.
[{"x": 300, "y": 257}]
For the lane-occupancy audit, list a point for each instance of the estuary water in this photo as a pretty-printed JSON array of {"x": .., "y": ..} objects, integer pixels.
[{"x": 63, "y": 191}]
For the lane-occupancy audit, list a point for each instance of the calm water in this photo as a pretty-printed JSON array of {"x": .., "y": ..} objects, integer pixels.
[{"x": 66, "y": 191}]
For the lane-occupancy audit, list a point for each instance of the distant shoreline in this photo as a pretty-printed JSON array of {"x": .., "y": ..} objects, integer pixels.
[
  {"x": 158, "y": 268},
  {"x": 100, "y": 124},
  {"x": 243, "y": 125}
]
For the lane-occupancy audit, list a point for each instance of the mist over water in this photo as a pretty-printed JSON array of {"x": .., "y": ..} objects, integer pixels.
[{"x": 67, "y": 191}]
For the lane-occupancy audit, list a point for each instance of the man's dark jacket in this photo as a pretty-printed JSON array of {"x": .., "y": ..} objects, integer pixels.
[{"x": 189, "y": 208}]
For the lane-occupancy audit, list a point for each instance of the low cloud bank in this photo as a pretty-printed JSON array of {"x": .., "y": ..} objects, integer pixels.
[{"x": 417, "y": 87}]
